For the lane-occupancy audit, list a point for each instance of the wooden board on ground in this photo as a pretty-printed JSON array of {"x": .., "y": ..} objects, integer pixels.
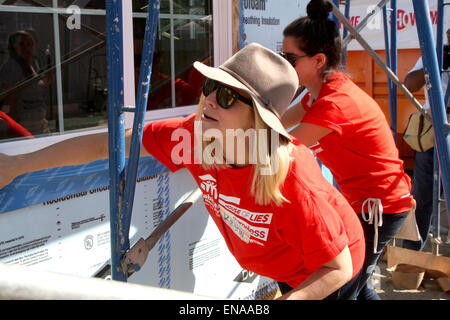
[{"x": 425, "y": 260}]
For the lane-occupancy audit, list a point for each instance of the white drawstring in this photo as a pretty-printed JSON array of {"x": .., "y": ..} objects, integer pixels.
[{"x": 375, "y": 216}]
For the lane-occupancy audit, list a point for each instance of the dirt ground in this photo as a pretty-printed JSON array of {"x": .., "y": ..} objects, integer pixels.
[{"x": 429, "y": 288}]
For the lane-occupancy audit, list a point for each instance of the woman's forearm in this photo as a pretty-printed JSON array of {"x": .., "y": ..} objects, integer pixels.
[
  {"x": 325, "y": 280},
  {"x": 293, "y": 116},
  {"x": 73, "y": 151},
  {"x": 319, "y": 285}
]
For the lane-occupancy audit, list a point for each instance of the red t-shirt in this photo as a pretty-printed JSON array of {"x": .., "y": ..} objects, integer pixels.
[
  {"x": 285, "y": 243},
  {"x": 360, "y": 152}
]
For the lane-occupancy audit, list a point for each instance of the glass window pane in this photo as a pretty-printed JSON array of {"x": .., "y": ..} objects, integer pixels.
[
  {"x": 193, "y": 42},
  {"x": 160, "y": 94},
  {"x": 83, "y": 4},
  {"x": 26, "y": 88},
  {"x": 142, "y": 5},
  {"x": 83, "y": 71},
  {"x": 73, "y": 94},
  {"x": 89, "y": 4},
  {"x": 40, "y": 3},
  {"x": 195, "y": 7},
  {"x": 165, "y": 6}
]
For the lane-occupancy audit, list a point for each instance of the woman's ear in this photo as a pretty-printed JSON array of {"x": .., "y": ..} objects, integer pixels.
[{"x": 321, "y": 60}]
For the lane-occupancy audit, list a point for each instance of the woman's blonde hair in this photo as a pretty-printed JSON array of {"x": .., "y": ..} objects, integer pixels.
[{"x": 272, "y": 160}]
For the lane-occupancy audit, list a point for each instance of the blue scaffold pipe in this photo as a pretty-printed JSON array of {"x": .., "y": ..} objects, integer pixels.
[
  {"x": 433, "y": 86},
  {"x": 447, "y": 94},
  {"x": 387, "y": 46},
  {"x": 440, "y": 33},
  {"x": 345, "y": 32},
  {"x": 116, "y": 133},
  {"x": 440, "y": 43},
  {"x": 435, "y": 208},
  {"x": 393, "y": 66},
  {"x": 138, "y": 123},
  {"x": 332, "y": 16}
]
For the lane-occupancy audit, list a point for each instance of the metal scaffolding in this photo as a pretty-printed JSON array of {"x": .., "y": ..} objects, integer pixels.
[{"x": 123, "y": 177}]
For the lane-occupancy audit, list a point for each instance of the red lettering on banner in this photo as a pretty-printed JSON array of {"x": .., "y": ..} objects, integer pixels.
[
  {"x": 412, "y": 17},
  {"x": 433, "y": 17},
  {"x": 402, "y": 19},
  {"x": 354, "y": 20}
]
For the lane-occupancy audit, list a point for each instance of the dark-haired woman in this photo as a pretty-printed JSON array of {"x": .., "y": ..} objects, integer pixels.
[
  {"x": 348, "y": 132},
  {"x": 26, "y": 106}
]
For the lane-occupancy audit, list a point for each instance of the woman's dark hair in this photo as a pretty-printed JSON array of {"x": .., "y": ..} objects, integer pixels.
[{"x": 316, "y": 33}]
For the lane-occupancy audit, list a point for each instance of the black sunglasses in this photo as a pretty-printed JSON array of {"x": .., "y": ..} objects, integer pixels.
[
  {"x": 225, "y": 96},
  {"x": 291, "y": 58}
]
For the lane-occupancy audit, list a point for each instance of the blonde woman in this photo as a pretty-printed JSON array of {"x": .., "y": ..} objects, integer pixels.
[{"x": 278, "y": 215}]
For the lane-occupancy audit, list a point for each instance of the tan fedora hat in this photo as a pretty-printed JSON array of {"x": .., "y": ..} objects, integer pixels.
[{"x": 266, "y": 76}]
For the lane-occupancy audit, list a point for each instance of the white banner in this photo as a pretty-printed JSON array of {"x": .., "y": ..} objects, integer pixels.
[
  {"x": 406, "y": 24},
  {"x": 263, "y": 21}
]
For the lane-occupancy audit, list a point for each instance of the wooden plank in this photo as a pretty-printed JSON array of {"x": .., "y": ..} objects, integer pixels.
[
  {"x": 444, "y": 283},
  {"x": 425, "y": 260},
  {"x": 236, "y": 26}
]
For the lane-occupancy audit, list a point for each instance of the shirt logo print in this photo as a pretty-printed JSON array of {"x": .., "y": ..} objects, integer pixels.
[
  {"x": 316, "y": 148},
  {"x": 209, "y": 185},
  {"x": 240, "y": 221}
]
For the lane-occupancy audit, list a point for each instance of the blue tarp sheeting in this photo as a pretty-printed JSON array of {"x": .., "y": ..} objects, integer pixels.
[{"x": 41, "y": 186}]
